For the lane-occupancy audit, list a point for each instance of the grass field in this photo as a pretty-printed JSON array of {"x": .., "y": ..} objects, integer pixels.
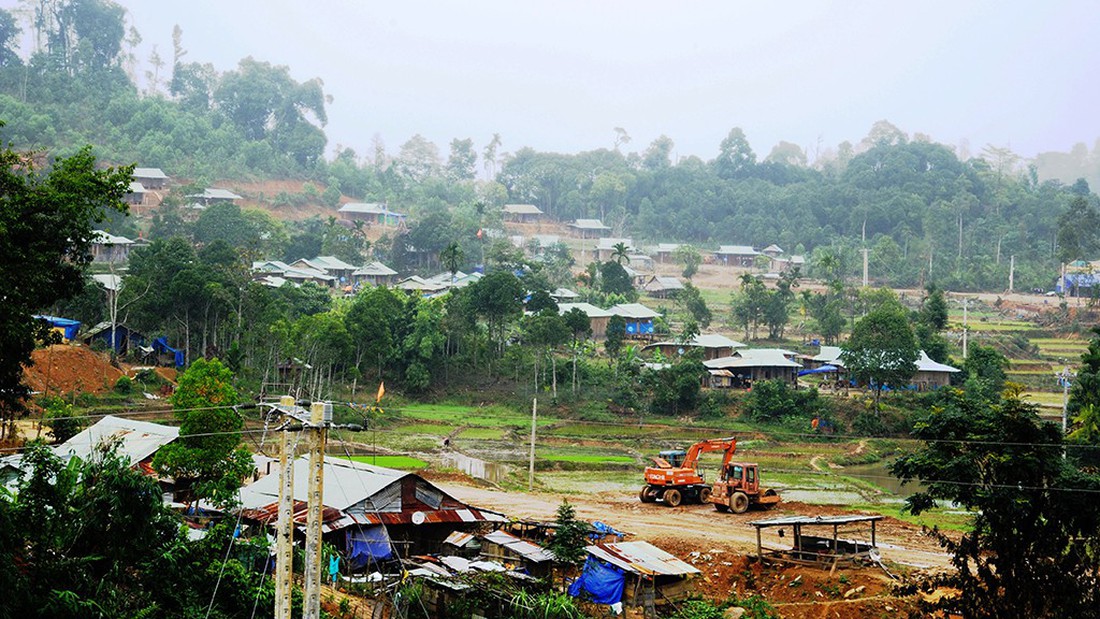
[{"x": 405, "y": 463}]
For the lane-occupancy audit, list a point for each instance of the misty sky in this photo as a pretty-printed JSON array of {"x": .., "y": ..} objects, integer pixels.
[{"x": 561, "y": 75}]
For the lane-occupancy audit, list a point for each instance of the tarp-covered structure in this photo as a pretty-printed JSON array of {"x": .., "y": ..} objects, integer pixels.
[
  {"x": 632, "y": 573},
  {"x": 416, "y": 515}
]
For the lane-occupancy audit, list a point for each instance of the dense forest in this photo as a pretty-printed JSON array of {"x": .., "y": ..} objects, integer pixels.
[{"x": 926, "y": 213}]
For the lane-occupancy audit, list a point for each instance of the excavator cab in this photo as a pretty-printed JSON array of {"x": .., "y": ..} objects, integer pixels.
[{"x": 674, "y": 457}]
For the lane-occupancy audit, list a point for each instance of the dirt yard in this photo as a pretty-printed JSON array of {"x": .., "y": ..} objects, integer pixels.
[
  {"x": 722, "y": 545},
  {"x": 65, "y": 368}
]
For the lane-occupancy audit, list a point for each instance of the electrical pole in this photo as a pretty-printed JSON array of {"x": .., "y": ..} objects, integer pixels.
[
  {"x": 1011, "y": 273},
  {"x": 284, "y": 525},
  {"x": 531, "y": 459},
  {"x": 319, "y": 420},
  {"x": 865, "y": 251},
  {"x": 966, "y": 306}
]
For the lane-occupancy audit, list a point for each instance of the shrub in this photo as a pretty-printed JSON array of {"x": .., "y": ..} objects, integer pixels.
[
  {"x": 62, "y": 421},
  {"x": 774, "y": 400},
  {"x": 124, "y": 386}
]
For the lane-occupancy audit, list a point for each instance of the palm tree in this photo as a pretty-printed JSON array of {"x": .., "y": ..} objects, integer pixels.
[
  {"x": 452, "y": 257},
  {"x": 620, "y": 253}
]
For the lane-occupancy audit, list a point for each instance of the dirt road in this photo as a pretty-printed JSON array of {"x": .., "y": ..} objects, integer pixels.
[{"x": 698, "y": 527}]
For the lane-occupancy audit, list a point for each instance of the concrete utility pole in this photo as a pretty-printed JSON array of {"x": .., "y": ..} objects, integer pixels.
[
  {"x": 1011, "y": 273},
  {"x": 531, "y": 461},
  {"x": 966, "y": 307},
  {"x": 316, "y": 421},
  {"x": 865, "y": 251},
  {"x": 284, "y": 526},
  {"x": 319, "y": 421}
]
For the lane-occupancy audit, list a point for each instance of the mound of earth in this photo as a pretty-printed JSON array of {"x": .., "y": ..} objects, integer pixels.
[{"x": 64, "y": 368}]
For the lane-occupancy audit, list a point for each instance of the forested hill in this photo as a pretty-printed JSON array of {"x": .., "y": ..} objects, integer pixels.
[{"x": 925, "y": 213}]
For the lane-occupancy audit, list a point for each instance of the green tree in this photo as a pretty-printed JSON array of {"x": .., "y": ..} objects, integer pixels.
[
  {"x": 749, "y": 304},
  {"x": 690, "y": 256},
  {"x": 208, "y": 455},
  {"x": 882, "y": 350},
  {"x": 692, "y": 300},
  {"x": 1085, "y": 389},
  {"x": 615, "y": 336},
  {"x": 735, "y": 157},
  {"x": 1078, "y": 231},
  {"x": 1034, "y": 527},
  {"x": 451, "y": 258},
  {"x": 986, "y": 365},
  {"x": 46, "y": 234},
  {"x": 570, "y": 536},
  {"x": 498, "y": 298},
  {"x": 933, "y": 311},
  {"x": 615, "y": 280}
]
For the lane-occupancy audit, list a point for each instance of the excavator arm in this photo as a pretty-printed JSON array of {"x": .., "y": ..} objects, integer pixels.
[{"x": 728, "y": 445}]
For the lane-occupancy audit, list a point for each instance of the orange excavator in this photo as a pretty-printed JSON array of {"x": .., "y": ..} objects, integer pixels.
[{"x": 675, "y": 479}]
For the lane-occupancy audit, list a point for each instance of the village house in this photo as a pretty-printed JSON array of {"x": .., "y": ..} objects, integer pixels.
[
  {"x": 109, "y": 248},
  {"x": 371, "y": 514},
  {"x": 136, "y": 195},
  {"x": 605, "y": 247},
  {"x": 638, "y": 318},
  {"x": 597, "y": 317},
  {"x": 372, "y": 213},
  {"x": 666, "y": 252},
  {"x": 714, "y": 346},
  {"x": 736, "y": 255},
  {"x": 151, "y": 178},
  {"x": 930, "y": 374},
  {"x": 212, "y": 195},
  {"x": 662, "y": 286},
  {"x": 374, "y": 274},
  {"x": 632, "y": 574},
  {"x": 588, "y": 228},
  {"x": 521, "y": 213},
  {"x": 749, "y": 365}
]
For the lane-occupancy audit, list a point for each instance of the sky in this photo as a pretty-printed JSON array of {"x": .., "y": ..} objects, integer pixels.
[{"x": 560, "y": 76}]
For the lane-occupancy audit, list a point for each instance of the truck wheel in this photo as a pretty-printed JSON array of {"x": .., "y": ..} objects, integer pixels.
[
  {"x": 704, "y": 495},
  {"x": 739, "y": 503},
  {"x": 647, "y": 495},
  {"x": 673, "y": 497}
]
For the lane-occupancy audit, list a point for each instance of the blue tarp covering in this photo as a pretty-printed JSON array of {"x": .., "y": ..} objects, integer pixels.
[
  {"x": 600, "y": 582},
  {"x": 68, "y": 326},
  {"x": 821, "y": 370},
  {"x": 161, "y": 345},
  {"x": 368, "y": 545},
  {"x": 603, "y": 529},
  {"x": 635, "y": 328}
]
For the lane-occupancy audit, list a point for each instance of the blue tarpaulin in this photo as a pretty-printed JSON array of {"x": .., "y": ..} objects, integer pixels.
[
  {"x": 603, "y": 529},
  {"x": 161, "y": 345},
  {"x": 368, "y": 545},
  {"x": 821, "y": 370},
  {"x": 600, "y": 582},
  {"x": 68, "y": 327}
]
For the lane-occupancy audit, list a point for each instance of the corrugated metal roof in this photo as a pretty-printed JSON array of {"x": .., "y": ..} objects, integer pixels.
[
  {"x": 364, "y": 207},
  {"x": 926, "y": 364},
  {"x": 525, "y": 549},
  {"x": 374, "y": 268},
  {"x": 609, "y": 243},
  {"x": 754, "y": 358},
  {"x": 633, "y": 310},
  {"x": 459, "y": 538},
  {"x": 641, "y": 558},
  {"x": 346, "y": 483},
  {"x": 149, "y": 173},
  {"x": 137, "y": 439},
  {"x": 589, "y": 224},
  {"x": 589, "y": 310},
  {"x": 100, "y": 237},
  {"x": 737, "y": 250},
  {"x": 814, "y": 520},
  {"x": 522, "y": 209}
]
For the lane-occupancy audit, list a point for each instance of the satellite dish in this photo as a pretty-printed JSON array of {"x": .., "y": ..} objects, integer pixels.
[{"x": 418, "y": 518}]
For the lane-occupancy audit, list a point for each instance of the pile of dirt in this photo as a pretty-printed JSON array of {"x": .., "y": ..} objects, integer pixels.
[{"x": 65, "y": 368}]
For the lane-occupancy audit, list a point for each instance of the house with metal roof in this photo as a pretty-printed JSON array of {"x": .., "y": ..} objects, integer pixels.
[
  {"x": 639, "y": 318},
  {"x": 110, "y": 248},
  {"x": 736, "y": 255},
  {"x": 370, "y": 511},
  {"x": 505, "y": 548},
  {"x": 749, "y": 365},
  {"x": 213, "y": 195},
  {"x": 605, "y": 247},
  {"x": 632, "y": 574},
  {"x": 666, "y": 252},
  {"x": 588, "y": 228},
  {"x": 521, "y": 213},
  {"x": 151, "y": 178},
  {"x": 136, "y": 194},
  {"x": 597, "y": 317},
  {"x": 371, "y": 213},
  {"x": 662, "y": 286},
  {"x": 374, "y": 274},
  {"x": 714, "y": 346}
]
